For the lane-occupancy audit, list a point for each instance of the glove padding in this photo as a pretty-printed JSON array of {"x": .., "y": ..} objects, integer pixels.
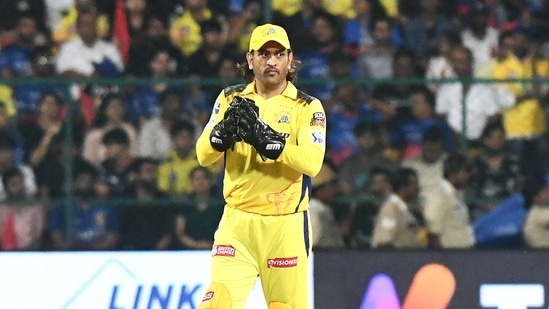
[
  {"x": 251, "y": 129},
  {"x": 223, "y": 135},
  {"x": 266, "y": 141}
]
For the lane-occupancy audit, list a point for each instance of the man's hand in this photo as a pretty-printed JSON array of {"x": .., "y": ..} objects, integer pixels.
[
  {"x": 223, "y": 135},
  {"x": 252, "y": 130}
]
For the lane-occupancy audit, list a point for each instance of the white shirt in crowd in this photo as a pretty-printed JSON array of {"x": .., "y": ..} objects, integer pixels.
[
  {"x": 154, "y": 141},
  {"x": 76, "y": 56},
  {"x": 482, "y": 101},
  {"x": 483, "y": 49}
]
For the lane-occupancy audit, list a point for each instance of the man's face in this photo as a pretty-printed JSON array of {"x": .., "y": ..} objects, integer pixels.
[
  {"x": 160, "y": 64},
  {"x": 270, "y": 64},
  {"x": 156, "y": 28},
  {"x": 26, "y": 28},
  {"x": 461, "y": 62},
  {"x": 404, "y": 67},
  {"x": 323, "y": 31},
  {"x": 463, "y": 177},
  {"x": 432, "y": 150},
  {"x": 421, "y": 108},
  {"x": 114, "y": 150},
  {"x": 382, "y": 31},
  {"x": 201, "y": 181},
  {"x": 49, "y": 107},
  {"x": 148, "y": 173},
  {"x": 16, "y": 187},
  {"x": 522, "y": 45},
  {"x": 183, "y": 142},
  {"x": 172, "y": 106},
  {"x": 7, "y": 155},
  {"x": 87, "y": 27}
]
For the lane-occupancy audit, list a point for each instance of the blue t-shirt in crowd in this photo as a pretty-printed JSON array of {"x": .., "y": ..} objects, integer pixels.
[
  {"x": 88, "y": 226},
  {"x": 16, "y": 58}
]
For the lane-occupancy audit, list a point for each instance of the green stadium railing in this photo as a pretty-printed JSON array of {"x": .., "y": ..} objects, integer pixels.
[{"x": 186, "y": 82}]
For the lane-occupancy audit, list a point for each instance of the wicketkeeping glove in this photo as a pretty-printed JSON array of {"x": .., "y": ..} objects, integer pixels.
[
  {"x": 251, "y": 129},
  {"x": 223, "y": 135}
]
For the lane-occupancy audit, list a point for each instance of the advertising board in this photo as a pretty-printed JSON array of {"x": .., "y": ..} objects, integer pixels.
[
  {"x": 108, "y": 280},
  {"x": 432, "y": 279}
]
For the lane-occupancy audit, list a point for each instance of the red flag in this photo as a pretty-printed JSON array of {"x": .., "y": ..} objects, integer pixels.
[
  {"x": 9, "y": 239},
  {"x": 121, "y": 34},
  {"x": 87, "y": 106}
]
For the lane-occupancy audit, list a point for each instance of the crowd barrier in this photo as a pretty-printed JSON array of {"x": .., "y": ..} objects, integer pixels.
[
  {"x": 340, "y": 279},
  {"x": 419, "y": 279},
  {"x": 108, "y": 280}
]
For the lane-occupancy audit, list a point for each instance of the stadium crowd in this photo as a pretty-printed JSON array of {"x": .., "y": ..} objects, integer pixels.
[{"x": 86, "y": 144}]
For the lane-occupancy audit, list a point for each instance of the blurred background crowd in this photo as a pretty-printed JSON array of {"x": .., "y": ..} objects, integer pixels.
[{"x": 436, "y": 120}]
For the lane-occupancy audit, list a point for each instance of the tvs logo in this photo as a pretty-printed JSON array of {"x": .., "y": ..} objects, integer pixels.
[
  {"x": 432, "y": 288},
  {"x": 208, "y": 296},
  {"x": 318, "y": 137},
  {"x": 282, "y": 262},
  {"x": 223, "y": 250}
]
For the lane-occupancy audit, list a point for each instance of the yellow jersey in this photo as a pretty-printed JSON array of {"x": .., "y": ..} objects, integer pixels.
[
  {"x": 271, "y": 187},
  {"x": 185, "y": 32},
  {"x": 287, "y": 7},
  {"x": 527, "y": 117},
  {"x": 174, "y": 174}
]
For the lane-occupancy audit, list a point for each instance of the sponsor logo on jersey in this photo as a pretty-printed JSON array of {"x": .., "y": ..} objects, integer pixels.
[
  {"x": 285, "y": 262},
  {"x": 223, "y": 250},
  {"x": 318, "y": 119},
  {"x": 318, "y": 137},
  {"x": 208, "y": 296},
  {"x": 216, "y": 108}
]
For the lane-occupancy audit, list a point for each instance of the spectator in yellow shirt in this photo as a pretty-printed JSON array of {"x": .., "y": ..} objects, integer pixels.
[
  {"x": 185, "y": 30},
  {"x": 525, "y": 123},
  {"x": 174, "y": 174}
]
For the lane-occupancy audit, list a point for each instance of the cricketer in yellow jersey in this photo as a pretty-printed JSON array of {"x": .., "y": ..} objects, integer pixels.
[{"x": 265, "y": 230}]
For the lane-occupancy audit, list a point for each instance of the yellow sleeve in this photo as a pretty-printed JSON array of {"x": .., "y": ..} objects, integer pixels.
[
  {"x": 103, "y": 26},
  {"x": 63, "y": 33},
  {"x": 205, "y": 153},
  {"x": 163, "y": 177},
  {"x": 6, "y": 97},
  {"x": 307, "y": 155}
]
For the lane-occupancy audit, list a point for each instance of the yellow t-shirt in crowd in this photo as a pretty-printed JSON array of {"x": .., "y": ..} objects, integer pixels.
[
  {"x": 271, "y": 187},
  {"x": 174, "y": 174},
  {"x": 185, "y": 32},
  {"x": 344, "y": 8},
  {"x": 391, "y": 7},
  {"x": 7, "y": 98},
  {"x": 527, "y": 117},
  {"x": 67, "y": 27},
  {"x": 287, "y": 7}
]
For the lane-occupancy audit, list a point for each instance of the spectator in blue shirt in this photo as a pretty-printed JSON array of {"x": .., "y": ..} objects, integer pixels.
[
  {"x": 94, "y": 225},
  {"x": 327, "y": 39},
  {"x": 27, "y": 95},
  {"x": 406, "y": 137},
  {"x": 15, "y": 57}
]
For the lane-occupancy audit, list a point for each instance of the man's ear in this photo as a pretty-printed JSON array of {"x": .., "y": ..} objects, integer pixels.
[{"x": 249, "y": 58}]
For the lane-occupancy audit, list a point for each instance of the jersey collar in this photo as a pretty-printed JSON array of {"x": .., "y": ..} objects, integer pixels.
[{"x": 290, "y": 91}]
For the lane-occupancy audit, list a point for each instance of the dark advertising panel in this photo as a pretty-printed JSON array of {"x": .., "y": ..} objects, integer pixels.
[{"x": 431, "y": 279}]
